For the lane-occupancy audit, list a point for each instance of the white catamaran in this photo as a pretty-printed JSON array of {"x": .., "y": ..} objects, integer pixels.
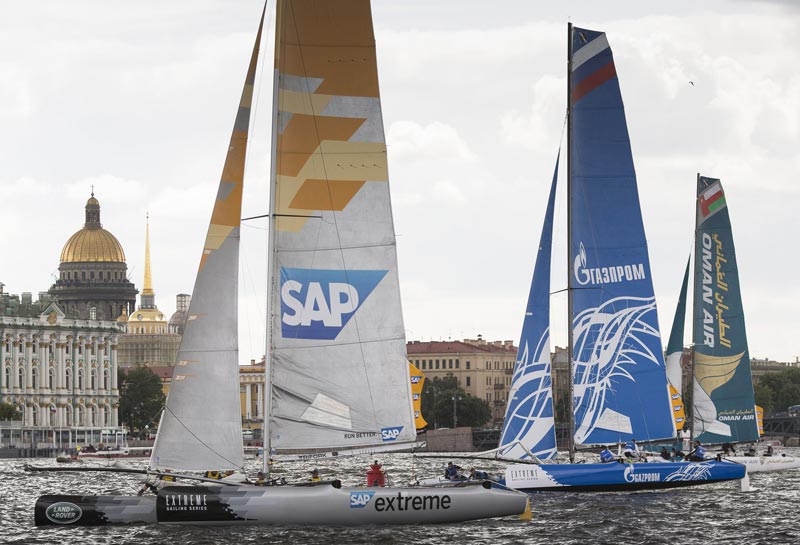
[{"x": 336, "y": 369}]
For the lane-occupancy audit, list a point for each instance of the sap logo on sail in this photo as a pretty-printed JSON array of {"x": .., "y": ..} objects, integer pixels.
[
  {"x": 390, "y": 434},
  {"x": 415, "y": 379},
  {"x": 318, "y": 303},
  {"x": 63, "y": 512},
  {"x": 630, "y": 476},
  {"x": 605, "y": 275},
  {"x": 360, "y": 499},
  {"x": 414, "y": 397}
]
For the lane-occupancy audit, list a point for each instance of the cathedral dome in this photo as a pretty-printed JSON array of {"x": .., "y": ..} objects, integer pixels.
[{"x": 92, "y": 243}]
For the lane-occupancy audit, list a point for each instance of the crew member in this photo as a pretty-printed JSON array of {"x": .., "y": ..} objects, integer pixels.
[
  {"x": 452, "y": 472},
  {"x": 315, "y": 476},
  {"x": 698, "y": 453},
  {"x": 477, "y": 475},
  {"x": 606, "y": 455},
  {"x": 375, "y": 475},
  {"x": 631, "y": 451}
]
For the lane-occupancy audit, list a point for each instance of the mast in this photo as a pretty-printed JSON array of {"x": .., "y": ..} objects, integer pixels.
[
  {"x": 271, "y": 259},
  {"x": 570, "y": 271},
  {"x": 690, "y": 416}
]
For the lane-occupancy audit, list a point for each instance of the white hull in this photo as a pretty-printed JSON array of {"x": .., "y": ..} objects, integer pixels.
[
  {"x": 285, "y": 505},
  {"x": 756, "y": 464}
]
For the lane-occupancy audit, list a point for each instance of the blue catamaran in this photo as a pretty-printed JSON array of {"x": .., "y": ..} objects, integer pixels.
[{"x": 619, "y": 385}]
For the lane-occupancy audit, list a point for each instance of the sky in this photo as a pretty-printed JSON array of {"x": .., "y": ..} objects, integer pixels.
[{"x": 138, "y": 99}]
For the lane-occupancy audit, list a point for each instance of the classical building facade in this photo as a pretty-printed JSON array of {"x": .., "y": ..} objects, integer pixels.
[
  {"x": 483, "y": 369},
  {"x": 251, "y": 393},
  {"x": 92, "y": 282},
  {"x": 61, "y": 373},
  {"x": 147, "y": 340}
]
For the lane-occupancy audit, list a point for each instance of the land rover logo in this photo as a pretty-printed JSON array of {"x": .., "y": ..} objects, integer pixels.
[{"x": 63, "y": 512}]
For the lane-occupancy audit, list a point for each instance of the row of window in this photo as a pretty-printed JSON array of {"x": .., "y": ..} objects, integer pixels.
[
  {"x": 448, "y": 364},
  {"x": 109, "y": 275},
  {"x": 51, "y": 347},
  {"x": 51, "y": 379},
  {"x": 88, "y": 416},
  {"x": 435, "y": 364}
]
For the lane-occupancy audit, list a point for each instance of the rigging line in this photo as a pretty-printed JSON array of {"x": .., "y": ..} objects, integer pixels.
[
  {"x": 333, "y": 211},
  {"x": 281, "y": 216}
]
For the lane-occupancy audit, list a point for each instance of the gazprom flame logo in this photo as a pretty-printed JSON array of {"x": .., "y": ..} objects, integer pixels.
[
  {"x": 318, "y": 303},
  {"x": 605, "y": 275}
]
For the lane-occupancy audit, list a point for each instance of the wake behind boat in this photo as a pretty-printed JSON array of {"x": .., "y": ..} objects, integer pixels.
[{"x": 336, "y": 367}]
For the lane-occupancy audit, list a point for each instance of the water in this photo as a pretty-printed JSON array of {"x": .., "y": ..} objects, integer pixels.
[{"x": 704, "y": 515}]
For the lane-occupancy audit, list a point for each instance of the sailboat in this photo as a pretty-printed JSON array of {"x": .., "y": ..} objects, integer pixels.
[
  {"x": 723, "y": 401},
  {"x": 336, "y": 368},
  {"x": 619, "y": 387}
]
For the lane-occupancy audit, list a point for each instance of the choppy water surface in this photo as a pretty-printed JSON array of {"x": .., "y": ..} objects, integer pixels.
[{"x": 705, "y": 515}]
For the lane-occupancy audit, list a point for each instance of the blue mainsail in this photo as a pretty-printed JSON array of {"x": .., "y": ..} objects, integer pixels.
[
  {"x": 529, "y": 412},
  {"x": 723, "y": 401},
  {"x": 619, "y": 377}
]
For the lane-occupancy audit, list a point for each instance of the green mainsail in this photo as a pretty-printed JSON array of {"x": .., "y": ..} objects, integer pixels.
[{"x": 723, "y": 401}]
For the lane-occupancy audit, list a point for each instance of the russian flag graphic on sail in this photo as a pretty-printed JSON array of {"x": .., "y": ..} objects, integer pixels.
[
  {"x": 592, "y": 62},
  {"x": 318, "y": 303}
]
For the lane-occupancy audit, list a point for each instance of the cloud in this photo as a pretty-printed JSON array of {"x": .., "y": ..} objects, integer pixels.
[{"x": 410, "y": 140}]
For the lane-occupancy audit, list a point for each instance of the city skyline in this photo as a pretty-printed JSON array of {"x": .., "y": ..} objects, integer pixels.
[{"x": 141, "y": 107}]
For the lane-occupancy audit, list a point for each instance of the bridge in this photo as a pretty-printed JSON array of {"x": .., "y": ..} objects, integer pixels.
[{"x": 787, "y": 426}]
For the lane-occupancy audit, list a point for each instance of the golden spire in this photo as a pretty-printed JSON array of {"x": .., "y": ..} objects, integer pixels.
[{"x": 148, "y": 281}]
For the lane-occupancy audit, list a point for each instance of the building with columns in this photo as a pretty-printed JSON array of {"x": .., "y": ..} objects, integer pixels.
[
  {"x": 61, "y": 373},
  {"x": 251, "y": 392}
]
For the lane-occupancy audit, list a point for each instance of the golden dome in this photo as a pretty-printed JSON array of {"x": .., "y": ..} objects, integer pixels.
[{"x": 92, "y": 245}]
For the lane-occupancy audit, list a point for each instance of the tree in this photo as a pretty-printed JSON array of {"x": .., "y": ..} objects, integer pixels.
[
  {"x": 779, "y": 391},
  {"x": 764, "y": 397},
  {"x": 9, "y": 412},
  {"x": 437, "y": 404},
  {"x": 141, "y": 399}
]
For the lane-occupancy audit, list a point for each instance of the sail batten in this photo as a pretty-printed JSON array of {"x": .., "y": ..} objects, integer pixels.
[
  {"x": 723, "y": 400},
  {"x": 618, "y": 371},
  {"x": 338, "y": 366}
]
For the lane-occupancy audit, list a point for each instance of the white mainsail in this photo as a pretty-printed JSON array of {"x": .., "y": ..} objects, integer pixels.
[
  {"x": 201, "y": 427},
  {"x": 336, "y": 356}
]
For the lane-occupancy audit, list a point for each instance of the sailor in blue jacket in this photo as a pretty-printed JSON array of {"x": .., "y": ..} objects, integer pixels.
[
  {"x": 698, "y": 454},
  {"x": 606, "y": 456},
  {"x": 631, "y": 451}
]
